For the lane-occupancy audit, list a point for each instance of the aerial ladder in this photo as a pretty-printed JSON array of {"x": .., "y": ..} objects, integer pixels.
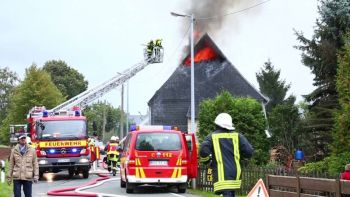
[{"x": 86, "y": 97}]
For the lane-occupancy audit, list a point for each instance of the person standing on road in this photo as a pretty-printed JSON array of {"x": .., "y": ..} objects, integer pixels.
[
  {"x": 23, "y": 168},
  {"x": 226, "y": 147}
]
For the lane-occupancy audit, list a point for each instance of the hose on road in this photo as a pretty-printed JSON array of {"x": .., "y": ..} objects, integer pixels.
[{"x": 70, "y": 191}]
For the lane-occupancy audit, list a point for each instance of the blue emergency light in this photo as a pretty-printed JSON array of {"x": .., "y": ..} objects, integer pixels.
[
  {"x": 166, "y": 127},
  {"x": 45, "y": 113},
  {"x": 74, "y": 150},
  {"x": 52, "y": 151},
  {"x": 133, "y": 127},
  {"x": 77, "y": 113}
]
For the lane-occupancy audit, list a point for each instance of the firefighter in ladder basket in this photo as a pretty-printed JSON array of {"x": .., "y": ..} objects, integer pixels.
[{"x": 150, "y": 47}]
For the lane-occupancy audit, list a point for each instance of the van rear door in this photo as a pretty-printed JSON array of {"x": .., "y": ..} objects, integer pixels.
[
  {"x": 193, "y": 153},
  {"x": 158, "y": 154}
]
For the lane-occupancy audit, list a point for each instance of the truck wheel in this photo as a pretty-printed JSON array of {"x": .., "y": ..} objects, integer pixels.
[
  {"x": 129, "y": 187},
  {"x": 86, "y": 174},
  {"x": 182, "y": 188},
  {"x": 70, "y": 173}
]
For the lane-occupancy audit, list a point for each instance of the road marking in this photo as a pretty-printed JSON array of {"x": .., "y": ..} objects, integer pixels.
[
  {"x": 177, "y": 195},
  {"x": 79, "y": 190}
]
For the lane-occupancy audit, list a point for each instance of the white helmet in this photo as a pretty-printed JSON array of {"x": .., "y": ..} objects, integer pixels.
[
  {"x": 224, "y": 120},
  {"x": 114, "y": 138}
]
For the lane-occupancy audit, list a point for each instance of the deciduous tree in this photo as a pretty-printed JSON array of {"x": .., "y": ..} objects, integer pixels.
[
  {"x": 8, "y": 80},
  {"x": 36, "y": 89},
  {"x": 68, "y": 80},
  {"x": 247, "y": 116}
]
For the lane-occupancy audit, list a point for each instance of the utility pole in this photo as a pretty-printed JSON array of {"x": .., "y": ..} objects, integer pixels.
[
  {"x": 122, "y": 113},
  {"x": 193, "y": 121}
]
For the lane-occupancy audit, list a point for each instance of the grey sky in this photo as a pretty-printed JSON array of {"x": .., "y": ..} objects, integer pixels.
[{"x": 101, "y": 38}]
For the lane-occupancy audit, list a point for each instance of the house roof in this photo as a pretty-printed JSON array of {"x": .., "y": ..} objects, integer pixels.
[{"x": 211, "y": 78}]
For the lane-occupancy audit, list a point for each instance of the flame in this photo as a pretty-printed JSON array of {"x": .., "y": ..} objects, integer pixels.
[{"x": 205, "y": 54}]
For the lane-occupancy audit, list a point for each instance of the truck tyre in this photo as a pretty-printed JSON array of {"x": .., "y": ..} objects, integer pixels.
[
  {"x": 182, "y": 188},
  {"x": 70, "y": 173},
  {"x": 129, "y": 187},
  {"x": 86, "y": 174}
]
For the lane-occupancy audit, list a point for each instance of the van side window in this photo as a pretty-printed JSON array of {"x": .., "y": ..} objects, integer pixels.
[{"x": 127, "y": 143}]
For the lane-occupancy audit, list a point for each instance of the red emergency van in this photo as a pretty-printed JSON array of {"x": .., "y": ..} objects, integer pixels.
[{"x": 158, "y": 155}]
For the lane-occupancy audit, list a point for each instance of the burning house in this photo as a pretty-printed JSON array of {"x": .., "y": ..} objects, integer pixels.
[{"x": 170, "y": 105}]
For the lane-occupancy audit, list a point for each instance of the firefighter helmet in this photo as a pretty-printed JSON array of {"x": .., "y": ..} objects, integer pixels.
[{"x": 224, "y": 120}]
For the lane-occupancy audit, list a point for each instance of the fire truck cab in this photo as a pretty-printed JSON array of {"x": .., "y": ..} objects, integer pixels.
[
  {"x": 60, "y": 140},
  {"x": 157, "y": 155}
]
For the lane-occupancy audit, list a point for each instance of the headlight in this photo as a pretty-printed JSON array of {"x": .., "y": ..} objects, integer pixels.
[
  {"x": 83, "y": 160},
  {"x": 42, "y": 162}
]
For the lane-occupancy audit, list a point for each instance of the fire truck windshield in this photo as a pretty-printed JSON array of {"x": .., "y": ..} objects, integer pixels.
[{"x": 64, "y": 129}]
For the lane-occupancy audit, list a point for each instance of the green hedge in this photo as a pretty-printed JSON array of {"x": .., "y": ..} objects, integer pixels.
[{"x": 6, "y": 190}]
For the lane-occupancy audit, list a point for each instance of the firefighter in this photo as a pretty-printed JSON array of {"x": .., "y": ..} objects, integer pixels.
[
  {"x": 112, "y": 153},
  {"x": 158, "y": 43},
  {"x": 150, "y": 47},
  {"x": 224, "y": 148},
  {"x": 91, "y": 144}
]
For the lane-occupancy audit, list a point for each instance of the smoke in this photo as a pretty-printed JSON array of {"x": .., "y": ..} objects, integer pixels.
[
  {"x": 207, "y": 9},
  {"x": 210, "y": 16}
]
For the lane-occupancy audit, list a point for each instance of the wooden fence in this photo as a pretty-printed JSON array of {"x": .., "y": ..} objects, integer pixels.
[
  {"x": 250, "y": 176},
  {"x": 295, "y": 186}
]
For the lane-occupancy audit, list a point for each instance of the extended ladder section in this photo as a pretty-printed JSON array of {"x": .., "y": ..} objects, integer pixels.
[{"x": 86, "y": 97}]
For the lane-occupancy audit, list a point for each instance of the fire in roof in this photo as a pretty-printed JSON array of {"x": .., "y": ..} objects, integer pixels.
[{"x": 204, "y": 51}]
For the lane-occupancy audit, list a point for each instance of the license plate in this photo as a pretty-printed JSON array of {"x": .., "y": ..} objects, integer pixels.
[
  {"x": 63, "y": 160},
  {"x": 158, "y": 163}
]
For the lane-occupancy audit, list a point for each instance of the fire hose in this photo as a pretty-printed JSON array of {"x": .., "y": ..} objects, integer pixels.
[{"x": 77, "y": 190}]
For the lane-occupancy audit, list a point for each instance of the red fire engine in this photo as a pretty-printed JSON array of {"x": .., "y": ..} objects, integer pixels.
[
  {"x": 158, "y": 155},
  {"x": 60, "y": 140}
]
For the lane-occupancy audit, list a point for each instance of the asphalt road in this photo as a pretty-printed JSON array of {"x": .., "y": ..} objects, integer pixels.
[{"x": 52, "y": 181}]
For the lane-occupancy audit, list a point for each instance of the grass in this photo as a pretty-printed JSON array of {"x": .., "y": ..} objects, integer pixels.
[
  {"x": 205, "y": 194},
  {"x": 5, "y": 189}
]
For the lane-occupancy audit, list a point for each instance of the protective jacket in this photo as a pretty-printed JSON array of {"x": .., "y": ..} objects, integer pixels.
[
  {"x": 112, "y": 152},
  {"x": 225, "y": 148},
  {"x": 158, "y": 43}
]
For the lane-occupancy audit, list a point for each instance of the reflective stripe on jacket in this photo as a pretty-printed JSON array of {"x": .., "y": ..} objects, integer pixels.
[
  {"x": 113, "y": 149},
  {"x": 226, "y": 149}
]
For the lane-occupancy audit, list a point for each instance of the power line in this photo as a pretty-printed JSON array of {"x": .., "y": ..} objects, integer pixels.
[{"x": 231, "y": 13}]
